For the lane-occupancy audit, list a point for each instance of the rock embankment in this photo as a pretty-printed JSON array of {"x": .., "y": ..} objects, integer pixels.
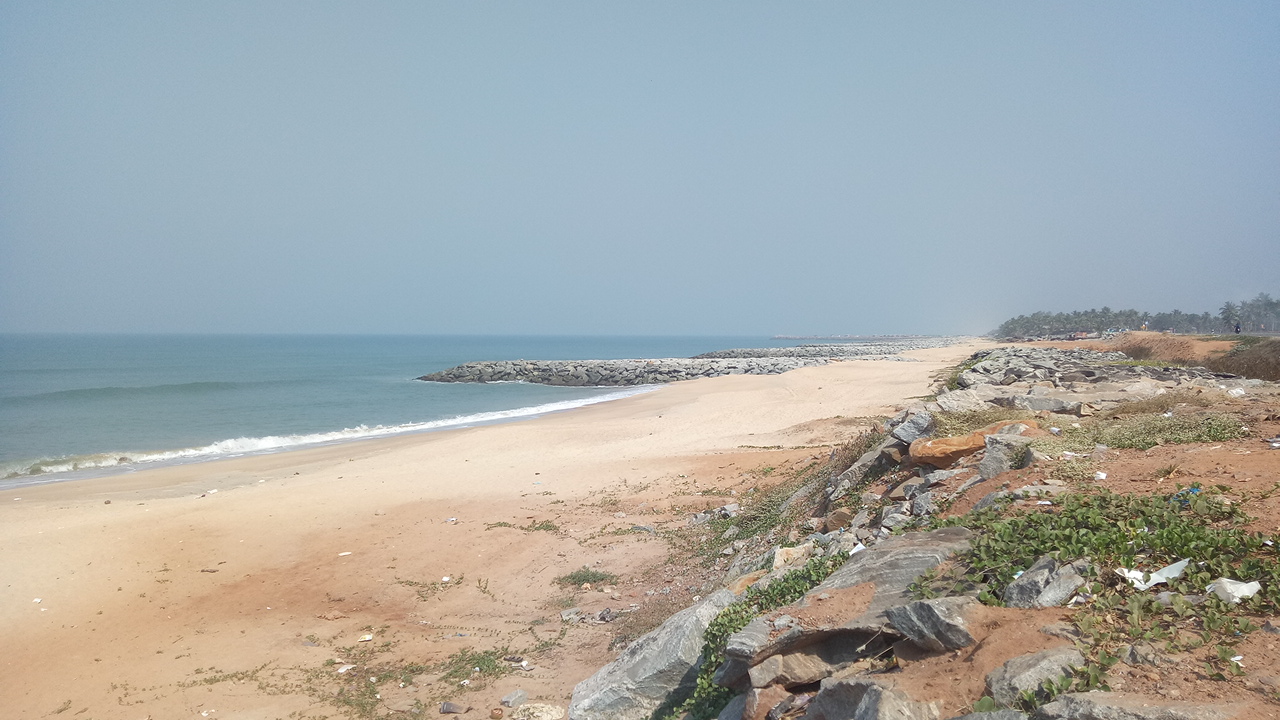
[
  {"x": 749, "y": 361},
  {"x": 832, "y": 654}
]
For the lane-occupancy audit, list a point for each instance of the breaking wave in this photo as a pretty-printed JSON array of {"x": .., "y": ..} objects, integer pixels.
[{"x": 31, "y": 472}]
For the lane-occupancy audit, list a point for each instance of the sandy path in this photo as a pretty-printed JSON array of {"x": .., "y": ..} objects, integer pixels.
[{"x": 131, "y": 621}]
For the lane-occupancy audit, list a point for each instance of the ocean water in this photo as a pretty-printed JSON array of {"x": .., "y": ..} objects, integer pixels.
[{"x": 74, "y": 406}]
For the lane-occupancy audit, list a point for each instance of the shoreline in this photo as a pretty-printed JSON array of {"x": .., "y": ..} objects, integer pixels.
[{"x": 148, "y": 577}]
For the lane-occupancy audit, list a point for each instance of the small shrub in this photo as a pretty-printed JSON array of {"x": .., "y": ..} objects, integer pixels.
[{"x": 586, "y": 575}]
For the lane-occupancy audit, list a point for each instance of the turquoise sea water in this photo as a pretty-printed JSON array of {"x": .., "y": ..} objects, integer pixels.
[{"x": 81, "y": 405}]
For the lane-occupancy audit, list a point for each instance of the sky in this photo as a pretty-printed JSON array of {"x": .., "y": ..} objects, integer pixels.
[{"x": 730, "y": 168}]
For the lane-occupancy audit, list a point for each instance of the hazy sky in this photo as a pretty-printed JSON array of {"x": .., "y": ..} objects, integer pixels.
[{"x": 631, "y": 168}]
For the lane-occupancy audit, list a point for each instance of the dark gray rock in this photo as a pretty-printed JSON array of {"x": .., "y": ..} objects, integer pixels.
[
  {"x": 917, "y": 425},
  {"x": 734, "y": 710},
  {"x": 936, "y": 624},
  {"x": 1004, "y": 453},
  {"x": 1027, "y": 672},
  {"x": 891, "y": 566},
  {"x": 1047, "y": 404},
  {"x": 657, "y": 664},
  {"x": 864, "y": 699},
  {"x": 923, "y": 505},
  {"x": 1125, "y": 706},
  {"x": 1045, "y": 584}
]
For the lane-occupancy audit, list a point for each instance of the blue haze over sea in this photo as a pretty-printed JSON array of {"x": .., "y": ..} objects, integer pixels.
[{"x": 74, "y": 406}]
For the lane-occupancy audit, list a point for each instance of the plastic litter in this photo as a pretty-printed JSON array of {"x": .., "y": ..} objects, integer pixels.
[
  {"x": 1236, "y": 392},
  {"x": 343, "y": 554},
  {"x": 1055, "y": 430},
  {"x": 1099, "y": 475},
  {"x": 1233, "y": 591},
  {"x": 1167, "y": 414},
  {"x": 1164, "y": 574},
  {"x": 36, "y": 600},
  {"x": 444, "y": 579},
  {"x": 342, "y": 669},
  {"x": 365, "y": 638}
]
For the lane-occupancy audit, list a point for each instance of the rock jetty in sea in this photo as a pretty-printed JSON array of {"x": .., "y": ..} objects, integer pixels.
[{"x": 746, "y": 361}]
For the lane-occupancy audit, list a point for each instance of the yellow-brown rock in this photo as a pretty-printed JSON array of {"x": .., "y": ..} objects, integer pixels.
[
  {"x": 836, "y": 519},
  {"x": 942, "y": 452}
]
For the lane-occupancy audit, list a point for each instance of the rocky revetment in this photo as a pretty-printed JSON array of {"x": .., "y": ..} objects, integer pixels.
[{"x": 992, "y": 553}]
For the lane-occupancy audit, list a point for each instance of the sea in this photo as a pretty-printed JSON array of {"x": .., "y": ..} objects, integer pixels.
[{"x": 81, "y": 406}]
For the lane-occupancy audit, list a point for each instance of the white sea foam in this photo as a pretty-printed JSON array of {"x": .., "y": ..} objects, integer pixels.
[{"x": 49, "y": 469}]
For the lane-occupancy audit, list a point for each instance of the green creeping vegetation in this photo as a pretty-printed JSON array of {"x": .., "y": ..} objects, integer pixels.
[
  {"x": 477, "y": 667},
  {"x": 1114, "y": 531},
  {"x": 586, "y": 575},
  {"x": 708, "y": 699}
]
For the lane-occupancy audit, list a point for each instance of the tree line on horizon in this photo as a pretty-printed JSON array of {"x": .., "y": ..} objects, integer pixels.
[{"x": 1262, "y": 313}]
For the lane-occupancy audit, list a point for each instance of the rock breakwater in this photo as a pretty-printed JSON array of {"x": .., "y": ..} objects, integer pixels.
[{"x": 744, "y": 361}]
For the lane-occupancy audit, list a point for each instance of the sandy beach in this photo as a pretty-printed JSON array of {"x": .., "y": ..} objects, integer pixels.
[{"x": 221, "y": 589}]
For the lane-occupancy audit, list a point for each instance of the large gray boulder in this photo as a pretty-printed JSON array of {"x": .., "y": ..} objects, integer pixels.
[
  {"x": 1045, "y": 584},
  {"x": 657, "y": 664},
  {"x": 1004, "y": 453},
  {"x": 1028, "y": 672},
  {"x": 890, "y": 567},
  {"x": 936, "y": 624},
  {"x": 1126, "y": 706},
  {"x": 865, "y": 699},
  {"x": 917, "y": 425}
]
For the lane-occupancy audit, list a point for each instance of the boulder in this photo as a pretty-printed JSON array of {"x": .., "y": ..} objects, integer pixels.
[
  {"x": 865, "y": 699},
  {"x": 917, "y": 425},
  {"x": 654, "y": 666},
  {"x": 1127, "y": 706},
  {"x": 837, "y": 519},
  {"x": 942, "y": 452},
  {"x": 786, "y": 557},
  {"x": 806, "y": 665},
  {"x": 1045, "y": 584},
  {"x": 936, "y": 624},
  {"x": 1004, "y": 453},
  {"x": 961, "y": 401},
  {"x": 891, "y": 567},
  {"x": 1044, "y": 403},
  {"x": 759, "y": 701},
  {"x": 736, "y": 708},
  {"x": 1027, "y": 672}
]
